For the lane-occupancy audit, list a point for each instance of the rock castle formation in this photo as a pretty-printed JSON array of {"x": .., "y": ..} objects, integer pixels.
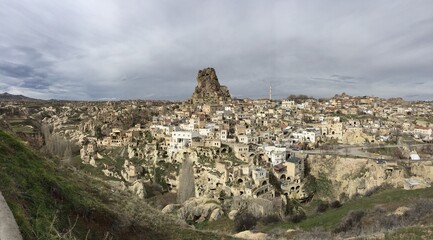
[{"x": 208, "y": 89}]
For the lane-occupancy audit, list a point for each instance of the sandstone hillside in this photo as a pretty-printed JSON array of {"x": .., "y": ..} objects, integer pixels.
[{"x": 50, "y": 201}]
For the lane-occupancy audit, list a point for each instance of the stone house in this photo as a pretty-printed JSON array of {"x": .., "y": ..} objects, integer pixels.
[
  {"x": 422, "y": 131},
  {"x": 332, "y": 131},
  {"x": 241, "y": 151},
  {"x": 290, "y": 174}
]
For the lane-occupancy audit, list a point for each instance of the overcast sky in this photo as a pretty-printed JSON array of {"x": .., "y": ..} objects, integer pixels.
[{"x": 134, "y": 49}]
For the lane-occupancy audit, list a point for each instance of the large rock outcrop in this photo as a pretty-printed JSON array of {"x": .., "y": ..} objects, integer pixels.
[
  {"x": 353, "y": 176},
  {"x": 258, "y": 207},
  {"x": 200, "y": 209},
  {"x": 208, "y": 89}
]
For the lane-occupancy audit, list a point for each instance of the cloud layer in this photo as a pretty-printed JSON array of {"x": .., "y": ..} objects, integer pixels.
[{"x": 95, "y": 49}]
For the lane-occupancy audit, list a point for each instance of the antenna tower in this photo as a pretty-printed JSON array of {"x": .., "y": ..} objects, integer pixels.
[{"x": 270, "y": 90}]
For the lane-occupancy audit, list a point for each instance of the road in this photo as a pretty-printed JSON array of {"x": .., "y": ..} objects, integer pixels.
[
  {"x": 358, "y": 151},
  {"x": 8, "y": 227}
]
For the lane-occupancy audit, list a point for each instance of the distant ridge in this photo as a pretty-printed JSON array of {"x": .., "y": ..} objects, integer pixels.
[{"x": 10, "y": 97}]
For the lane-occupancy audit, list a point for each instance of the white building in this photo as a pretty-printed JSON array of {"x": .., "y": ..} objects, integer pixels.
[
  {"x": 181, "y": 139},
  {"x": 422, "y": 131},
  {"x": 205, "y": 131},
  {"x": 414, "y": 156},
  {"x": 288, "y": 104},
  {"x": 277, "y": 154},
  {"x": 305, "y": 136},
  {"x": 165, "y": 129},
  {"x": 243, "y": 139}
]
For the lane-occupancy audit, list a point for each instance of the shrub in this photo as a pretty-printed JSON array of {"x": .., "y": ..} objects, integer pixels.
[
  {"x": 335, "y": 204},
  {"x": 419, "y": 210},
  {"x": 315, "y": 234},
  {"x": 356, "y": 196},
  {"x": 310, "y": 185},
  {"x": 322, "y": 207},
  {"x": 344, "y": 197},
  {"x": 386, "y": 222},
  {"x": 276, "y": 233},
  {"x": 298, "y": 217},
  {"x": 372, "y": 191},
  {"x": 398, "y": 153},
  {"x": 427, "y": 149},
  {"x": 289, "y": 206},
  {"x": 276, "y": 184},
  {"x": 244, "y": 221},
  {"x": 379, "y": 209},
  {"x": 352, "y": 222},
  {"x": 153, "y": 189},
  {"x": 270, "y": 219},
  {"x": 162, "y": 200}
]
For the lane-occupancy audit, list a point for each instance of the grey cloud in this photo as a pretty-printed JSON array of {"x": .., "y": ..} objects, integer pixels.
[
  {"x": 153, "y": 49},
  {"x": 338, "y": 79},
  {"x": 418, "y": 96},
  {"x": 35, "y": 83},
  {"x": 26, "y": 76},
  {"x": 342, "y": 77},
  {"x": 18, "y": 71}
]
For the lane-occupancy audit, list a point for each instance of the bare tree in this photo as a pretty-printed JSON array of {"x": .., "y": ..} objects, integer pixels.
[
  {"x": 56, "y": 144},
  {"x": 186, "y": 187},
  {"x": 46, "y": 132},
  {"x": 67, "y": 155}
]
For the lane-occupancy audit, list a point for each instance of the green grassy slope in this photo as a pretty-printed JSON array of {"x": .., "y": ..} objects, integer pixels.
[
  {"x": 388, "y": 200},
  {"x": 52, "y": 202}
]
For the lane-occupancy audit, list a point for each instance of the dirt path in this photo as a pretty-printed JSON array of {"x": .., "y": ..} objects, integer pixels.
[{"x": 8, "y": 227}]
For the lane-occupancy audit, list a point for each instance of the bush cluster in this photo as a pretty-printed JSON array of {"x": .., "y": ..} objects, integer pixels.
[
  {"x": 322, "y": 207},
  {"x": 335, "y": 204},
  {"x": 352, "y": 222},
  {"x": 358, "y": 222},
  {"x": 244, "y": 221},
  {"x": 298, "y": 217},
  {"x": 270, "y": 219},
  {"x": 418, "y": 211},
  {"x": 371, "y": 191}
]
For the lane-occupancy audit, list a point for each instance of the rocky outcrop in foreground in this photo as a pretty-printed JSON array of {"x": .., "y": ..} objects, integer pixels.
[
  {"x": 250, "y": 235},
  {"x": 197, "y": 210}
]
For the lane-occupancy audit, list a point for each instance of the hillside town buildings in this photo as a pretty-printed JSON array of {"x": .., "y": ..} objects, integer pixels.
[{"x": 238, "y": 145}]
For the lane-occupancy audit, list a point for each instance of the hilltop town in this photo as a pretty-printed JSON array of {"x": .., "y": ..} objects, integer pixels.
[{"x": 255, "y": 155}]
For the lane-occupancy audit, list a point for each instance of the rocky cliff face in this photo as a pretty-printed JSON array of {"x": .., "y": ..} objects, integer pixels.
[
  {"x": 208, "y": 89},
  {"x": 353, "y": 176}
]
